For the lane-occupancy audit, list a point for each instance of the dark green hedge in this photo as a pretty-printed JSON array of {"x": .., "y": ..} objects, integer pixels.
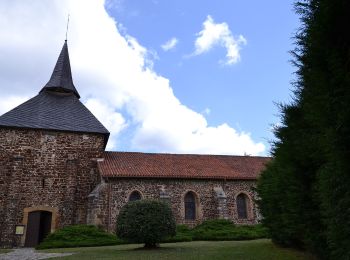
[
  {"x": 305, "y": 195},
  {"x": 79, "y": 236},
  {"x": 211, "y": 230},
  {"x": 218, "y": 230}
]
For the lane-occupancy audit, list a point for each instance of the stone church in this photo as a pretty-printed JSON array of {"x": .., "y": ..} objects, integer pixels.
[{"x": 54, "y": 171}]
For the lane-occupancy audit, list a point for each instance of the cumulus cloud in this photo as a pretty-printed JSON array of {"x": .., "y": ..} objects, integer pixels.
[
  {"x": 9, "y": 102},
  {"x": 112, "y": 120},
  {"x": 113, "y": 74},
  {"x": 219, "y": 34},
  {"x": 170, "y": 44}
]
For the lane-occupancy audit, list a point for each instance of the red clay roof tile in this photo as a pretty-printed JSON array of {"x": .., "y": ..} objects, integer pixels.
[{"x": 189, "y": 166}]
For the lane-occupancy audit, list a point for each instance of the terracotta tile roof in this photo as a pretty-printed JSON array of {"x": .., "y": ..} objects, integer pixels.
[{"x": 189, "y": 166}]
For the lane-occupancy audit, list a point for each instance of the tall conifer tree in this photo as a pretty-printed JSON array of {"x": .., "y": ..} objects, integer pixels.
[{"x": 305, "y": 190}]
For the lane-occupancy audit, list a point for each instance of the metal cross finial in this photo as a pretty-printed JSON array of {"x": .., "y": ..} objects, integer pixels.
[{"x": 67, "y": 26}]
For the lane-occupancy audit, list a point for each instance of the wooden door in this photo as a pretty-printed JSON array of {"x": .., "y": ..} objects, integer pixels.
[
  {"x": 45, "y": 225},
  {"x": 33, "y": 227},
  {"x": 38, "y": 227}
]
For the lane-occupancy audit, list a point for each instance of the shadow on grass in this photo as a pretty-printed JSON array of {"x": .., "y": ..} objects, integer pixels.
[{"x": 153, "y": 249}]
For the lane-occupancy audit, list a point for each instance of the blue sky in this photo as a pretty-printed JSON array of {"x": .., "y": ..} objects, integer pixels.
[
  {"x": 211, "y": 91},
  {"x": 242, "y": 94}
]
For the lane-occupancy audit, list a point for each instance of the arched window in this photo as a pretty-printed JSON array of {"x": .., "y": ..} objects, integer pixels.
[
  {"x": 190, "y": 206},
  {"x": 135, "y": 195},
  {"x": 242, "y": 203}
]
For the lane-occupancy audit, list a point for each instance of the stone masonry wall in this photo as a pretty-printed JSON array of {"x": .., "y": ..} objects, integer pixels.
[
  {"x": 45, "y": 169},
  {"x": 106, "y": 201}
]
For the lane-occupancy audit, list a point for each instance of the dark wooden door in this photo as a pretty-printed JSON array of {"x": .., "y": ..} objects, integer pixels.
[
  {"x": 45, "y": 225},
  {"x": 33, "y": 226},
  {"x": 38, "y": 227}
]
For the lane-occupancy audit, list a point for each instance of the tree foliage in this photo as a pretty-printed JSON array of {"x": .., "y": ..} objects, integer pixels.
[
  {"x": 146, "y": 221},
  {"x": 305, "y": 194}
]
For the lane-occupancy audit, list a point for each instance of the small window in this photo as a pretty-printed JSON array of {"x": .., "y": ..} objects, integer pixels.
[
  {"x": 242, "y": 211},
  {"x": 135, "y": 195},
  {"x": 190, "y": 206}
]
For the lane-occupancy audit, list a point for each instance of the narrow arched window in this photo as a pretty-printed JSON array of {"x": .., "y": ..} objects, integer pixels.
[
  {"x": 135, "y": 195},
  {"x": 242, "y": 201},
  {"x": 190, "y": 206}
]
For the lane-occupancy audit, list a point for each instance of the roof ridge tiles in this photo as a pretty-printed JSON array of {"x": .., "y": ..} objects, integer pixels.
[
  {"x": 153, "y": 165},
  {"x": 188, "y": 154}
]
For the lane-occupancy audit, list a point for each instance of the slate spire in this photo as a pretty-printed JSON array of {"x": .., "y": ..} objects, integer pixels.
[
  {"x": 61, "y": 79},
  {"x": 50, "y": 111}
]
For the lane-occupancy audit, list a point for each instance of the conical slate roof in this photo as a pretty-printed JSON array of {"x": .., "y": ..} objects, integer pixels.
[
  {"x": 56, "y": 107},
  {"x": 61, "y": 79}
]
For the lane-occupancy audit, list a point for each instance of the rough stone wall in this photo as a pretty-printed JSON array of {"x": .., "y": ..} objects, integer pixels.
[
  {"x": 46, "y": 168},
  {"x": 97, "y": 205},
  {"x": 115, "y": 194}
]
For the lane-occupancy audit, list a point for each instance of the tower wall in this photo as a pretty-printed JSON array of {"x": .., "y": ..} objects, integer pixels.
[{"x": 50, "y": 170}]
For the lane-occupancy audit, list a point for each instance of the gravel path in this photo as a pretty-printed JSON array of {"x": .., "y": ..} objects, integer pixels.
[{"x": 29, "y": 254}]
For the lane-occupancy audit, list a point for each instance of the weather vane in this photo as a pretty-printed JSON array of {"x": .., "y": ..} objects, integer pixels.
[{"x": 67, "y": 27}]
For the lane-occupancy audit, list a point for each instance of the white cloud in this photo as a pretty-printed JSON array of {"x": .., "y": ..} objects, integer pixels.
[
  {"x": 113, "y": 74},
  {"x": 9, "y": 102},
  {"x": 170, "y": 44},
  {"x": 112, "y": 120},
  {"x": 214, "y": 34},
  {"x": 207, "y": 111}
]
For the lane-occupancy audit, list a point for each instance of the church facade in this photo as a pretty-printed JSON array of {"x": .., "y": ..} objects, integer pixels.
[{"x": 54, "y": 171}]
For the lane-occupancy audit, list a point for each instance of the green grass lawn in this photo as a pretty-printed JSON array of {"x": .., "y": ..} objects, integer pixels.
[
  {"x": 3, "y": 251},
  {"x": 253, "y": 249}
]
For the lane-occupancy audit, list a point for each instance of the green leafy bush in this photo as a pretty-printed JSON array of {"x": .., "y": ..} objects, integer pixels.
[
  {"x": 211, "y": 230},
  {"x": 79, "y": 236},
  {"x": 216, "y": 230},
  {"x": 226, "y": 230},
  {"x": 146, "y": 221},
  {"x": 183, "y": 234}
]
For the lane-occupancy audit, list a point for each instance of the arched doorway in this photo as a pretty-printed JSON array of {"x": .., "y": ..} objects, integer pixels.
[{"x": 38, "y": 227}]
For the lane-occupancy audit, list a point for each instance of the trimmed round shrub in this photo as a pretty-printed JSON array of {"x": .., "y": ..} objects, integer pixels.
[{"x": 146, "y": 221}]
